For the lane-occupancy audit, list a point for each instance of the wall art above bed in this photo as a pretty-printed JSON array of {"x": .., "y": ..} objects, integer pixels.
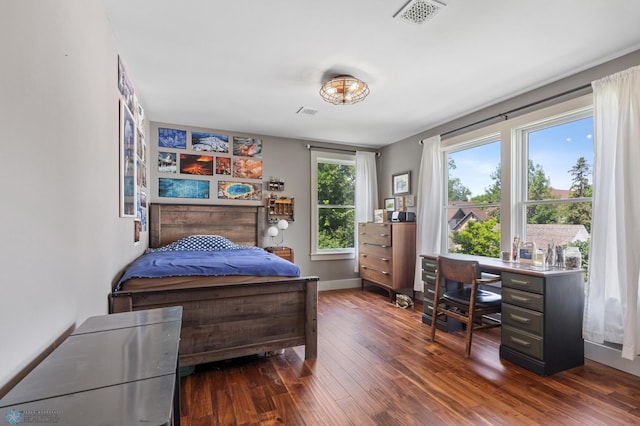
[
  {"x": 183, "y": 188},
  {"x": 210, "y": 158}
]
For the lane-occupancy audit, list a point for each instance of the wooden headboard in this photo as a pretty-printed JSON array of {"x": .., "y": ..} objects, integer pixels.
[{"x": 240, "y": 224}]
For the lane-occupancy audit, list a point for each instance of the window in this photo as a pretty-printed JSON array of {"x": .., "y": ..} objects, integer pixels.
[
  {"x": 555, "y": 181},
  {"x": 473, "y": 197},
  {"x": 531, "y": 174},
  {"x": 333, "y": 205}
]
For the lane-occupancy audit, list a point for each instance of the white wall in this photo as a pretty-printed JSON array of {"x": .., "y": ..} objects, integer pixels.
[{"x": 62, "y": 241}]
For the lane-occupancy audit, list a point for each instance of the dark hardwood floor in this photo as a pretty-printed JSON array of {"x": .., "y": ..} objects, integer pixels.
[{"x": 377, "y": 366}]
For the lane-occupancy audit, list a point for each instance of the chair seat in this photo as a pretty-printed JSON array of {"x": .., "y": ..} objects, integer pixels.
[{"x": 484, "y": 299}]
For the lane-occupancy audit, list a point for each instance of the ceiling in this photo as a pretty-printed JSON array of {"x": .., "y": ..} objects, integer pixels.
[{"x": 249, "y": 66}]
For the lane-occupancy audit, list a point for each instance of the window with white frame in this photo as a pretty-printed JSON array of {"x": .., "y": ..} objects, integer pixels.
[
  {"x": 333, "y": 205},
  {"x": 536, "y": 183},
  {"x": 472, "y": 209},
  {"x": 554, "y": 189}
]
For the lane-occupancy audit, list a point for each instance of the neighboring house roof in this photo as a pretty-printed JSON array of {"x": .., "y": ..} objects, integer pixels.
[
  {"x": 561, "y": 193},
  {"x": 555, "y": 235},
  {"x": 458, "y": 217}
]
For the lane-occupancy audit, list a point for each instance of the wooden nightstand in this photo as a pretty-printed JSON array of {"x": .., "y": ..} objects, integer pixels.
[{"x": 283, "y": 252}]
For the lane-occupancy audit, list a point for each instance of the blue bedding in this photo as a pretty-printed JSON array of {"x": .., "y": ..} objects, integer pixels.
[{"x": 232, "y": 261}]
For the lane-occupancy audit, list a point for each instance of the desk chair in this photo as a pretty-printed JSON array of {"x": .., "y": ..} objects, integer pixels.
[{"x": 467, "y": 303}]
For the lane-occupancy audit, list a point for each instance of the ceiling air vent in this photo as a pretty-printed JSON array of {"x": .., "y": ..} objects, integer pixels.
[
  {"x": 419, "y": 11},
  {"x": 307, "y": 111}
]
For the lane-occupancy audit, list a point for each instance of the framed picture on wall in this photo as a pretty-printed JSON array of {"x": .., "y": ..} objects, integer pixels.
[
  {"x": 401, "y": 183},
  {"x": 128, "y": 188}
]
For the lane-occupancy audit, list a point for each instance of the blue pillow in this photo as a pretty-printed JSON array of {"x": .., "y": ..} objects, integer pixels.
[{"x": 199, "y": 243}]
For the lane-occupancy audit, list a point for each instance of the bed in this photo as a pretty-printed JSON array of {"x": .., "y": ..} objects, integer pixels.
[{"x": 224, "y": 316}]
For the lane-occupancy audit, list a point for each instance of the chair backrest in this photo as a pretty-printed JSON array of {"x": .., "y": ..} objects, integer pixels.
[{"x": 457, "y": 270}]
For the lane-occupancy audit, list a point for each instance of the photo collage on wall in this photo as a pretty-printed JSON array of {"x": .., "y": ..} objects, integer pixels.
[
  {"x": 133, "y": 151},
  {"x": 232, "y": 160}
]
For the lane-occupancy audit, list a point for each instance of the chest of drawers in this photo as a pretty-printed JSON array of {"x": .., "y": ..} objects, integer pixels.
[{"x": 386, "y": 254}]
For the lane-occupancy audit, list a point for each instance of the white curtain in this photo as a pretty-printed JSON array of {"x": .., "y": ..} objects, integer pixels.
[
  {"x": 611, "y": 308},
  {"x": 430, "y": 198},
  {"x": 366, "y": 192}
]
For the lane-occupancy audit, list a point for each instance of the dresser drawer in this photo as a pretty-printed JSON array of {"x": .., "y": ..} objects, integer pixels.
[
  {"x": 523, "y": 299},
  {"x": 522, "y": 341},
  {"x": 375, "y": 250},
  {"x": 375, "y": 262},
  {"x": 523, "y": 319},
  {"x": 523, "y": 282},
  {"x": 374, "y": 233},
  {"x": 381, "y": 277}
]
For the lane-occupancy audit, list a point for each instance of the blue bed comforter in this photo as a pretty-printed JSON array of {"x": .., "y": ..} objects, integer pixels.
[{"x": 237, "y": 261}]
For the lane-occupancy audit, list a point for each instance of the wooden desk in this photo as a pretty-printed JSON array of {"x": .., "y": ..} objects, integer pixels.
[
  {"x": 542, "y": 309},
  {"x": 114, "y": 369}
]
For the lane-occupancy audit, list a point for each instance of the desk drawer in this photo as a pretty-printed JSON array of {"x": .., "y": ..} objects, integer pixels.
[
  {"x": 523, "y": 282},
  {"x": 522, "y": 341},
  {"x": 523, "y": 299},
  {"x": 429, "y": 264},
  {"x": 523, "y": 319},
  {"x": 429, "y": 277}
]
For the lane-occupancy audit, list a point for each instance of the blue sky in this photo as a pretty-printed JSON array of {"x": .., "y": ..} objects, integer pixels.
[{"x": 556, "y": 149}]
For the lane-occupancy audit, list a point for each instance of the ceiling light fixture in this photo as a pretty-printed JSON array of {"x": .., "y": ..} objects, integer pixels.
[{"x": 344, "y": 90}]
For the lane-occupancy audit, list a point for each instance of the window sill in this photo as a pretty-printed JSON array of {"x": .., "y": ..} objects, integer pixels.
[{"x": 332, "y": 256}]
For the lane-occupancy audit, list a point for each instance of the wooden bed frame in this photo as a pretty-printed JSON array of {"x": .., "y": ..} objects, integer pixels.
[{"x": 226, "y": 318}]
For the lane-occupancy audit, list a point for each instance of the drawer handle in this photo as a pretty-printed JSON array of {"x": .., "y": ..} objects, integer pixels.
[
  {"x": 520, "y": 342},
  {"x": 364, "y": 267},
  {"x": 524, "y": 283},
  {"x": 520, "y": 298},
  {"x": 384, "y": 259},
  {"x": 385, "y": 273},
  {"x": 363, "y": 255},
  {"x": 520, "y": 319},
  {"x": 383, "y": 246},
  {"x": 384, "y": 235}
]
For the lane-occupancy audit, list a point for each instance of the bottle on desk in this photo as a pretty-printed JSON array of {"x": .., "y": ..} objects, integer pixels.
[{"x": 538, "y": 258}]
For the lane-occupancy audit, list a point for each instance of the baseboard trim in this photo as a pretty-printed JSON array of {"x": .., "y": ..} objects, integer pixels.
[
  {"x": 339, "y": 284},
  {"x": 612, "y": 357}
]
